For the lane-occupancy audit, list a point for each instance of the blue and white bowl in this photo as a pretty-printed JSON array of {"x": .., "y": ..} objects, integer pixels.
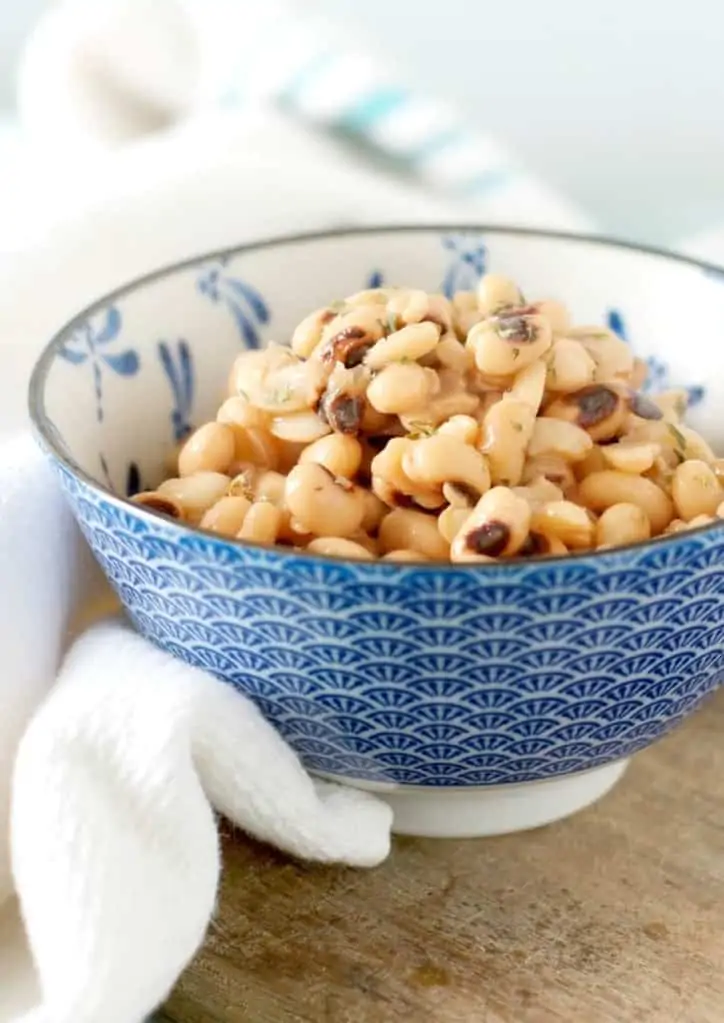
[{"x": 478, "y": 699}]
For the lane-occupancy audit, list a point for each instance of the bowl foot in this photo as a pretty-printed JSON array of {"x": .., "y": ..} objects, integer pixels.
[{"x": 497, "y": 810}]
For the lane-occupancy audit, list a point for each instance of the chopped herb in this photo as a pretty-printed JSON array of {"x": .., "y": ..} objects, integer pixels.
[
  {"x": 417, "y": 430},
  {"x": 282, "y": 395},
  {"x": 392, "y": 322},
  {"x": 518, "y": 427},
  {"x": 679, "y": 438},
  {"x": 242, "y": 394},
  {"x": 338, "y": 306},
  {"x": 516, "y": 353}
]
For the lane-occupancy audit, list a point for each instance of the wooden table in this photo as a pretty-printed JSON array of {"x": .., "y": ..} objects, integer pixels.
[{"x": 615, "y": 916}]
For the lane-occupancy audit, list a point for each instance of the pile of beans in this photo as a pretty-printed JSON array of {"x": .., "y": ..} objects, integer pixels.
[{"x": 402, "y": 425}]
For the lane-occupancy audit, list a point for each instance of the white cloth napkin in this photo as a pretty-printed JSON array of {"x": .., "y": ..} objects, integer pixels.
[{"x": 112, "y": 827}]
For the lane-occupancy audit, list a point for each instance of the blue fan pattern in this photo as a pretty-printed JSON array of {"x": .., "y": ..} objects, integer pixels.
[{"x": 429, "y": 676}]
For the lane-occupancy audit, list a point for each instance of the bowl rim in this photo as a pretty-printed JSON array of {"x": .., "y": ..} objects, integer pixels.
[{"x": 51, "y": 440}]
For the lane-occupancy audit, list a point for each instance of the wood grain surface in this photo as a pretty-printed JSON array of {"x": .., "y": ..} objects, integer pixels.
[{"x": 614, "y": 916}]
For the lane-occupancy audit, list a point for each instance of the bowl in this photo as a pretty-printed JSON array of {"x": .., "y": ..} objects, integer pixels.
[{"x": 477, "y": 699}]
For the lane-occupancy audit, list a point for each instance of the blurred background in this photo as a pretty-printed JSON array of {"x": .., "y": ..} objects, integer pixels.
[{"x": 618, "y": 105}]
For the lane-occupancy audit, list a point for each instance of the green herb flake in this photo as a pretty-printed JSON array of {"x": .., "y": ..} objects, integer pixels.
[
  {"x": 338, "y": 306},
  {"x": 516, "y": 353},
  {"x": 282, "y": 395},
  {"x": 242, "y": 394},
  {"x": 391, "y": 323},
  {"x": 518, "y": 427},
  {"x": 418, "y": 430},
  {"x": 679, "y": 438}
]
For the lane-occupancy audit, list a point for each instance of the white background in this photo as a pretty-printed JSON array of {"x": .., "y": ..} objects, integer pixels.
[{"x": 619, "y": 103}]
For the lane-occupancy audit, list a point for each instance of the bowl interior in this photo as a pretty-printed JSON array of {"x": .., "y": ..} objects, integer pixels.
[{"x": 129, "y": 377}]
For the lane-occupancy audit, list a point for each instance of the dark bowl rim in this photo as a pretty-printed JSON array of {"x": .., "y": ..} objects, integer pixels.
[{"x": 51, "y": 441}]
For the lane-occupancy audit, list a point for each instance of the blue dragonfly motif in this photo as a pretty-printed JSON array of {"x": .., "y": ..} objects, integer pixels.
[
  {"x": 657, "y": 372},
  {"x": 178, "y": 366},
  {"x": 133, "y": 482},
  {"x": 92, "y": 343},
  {"x": 244, "y": 302},
  {"x": 467, "y": 263}
]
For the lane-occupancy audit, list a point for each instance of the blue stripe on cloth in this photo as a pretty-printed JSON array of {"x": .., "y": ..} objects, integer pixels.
[
  {"x": 432, "y": 146},
  {"x": 372, "y": 108},
  {"x": 306, "y": 74}
]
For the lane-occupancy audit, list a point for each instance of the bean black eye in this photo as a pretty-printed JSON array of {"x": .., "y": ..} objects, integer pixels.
[{"x": 491, "y": 538}]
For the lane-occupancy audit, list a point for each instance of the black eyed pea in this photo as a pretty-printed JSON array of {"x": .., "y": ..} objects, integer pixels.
[
  {"x": 529, "y": 385},
  {"x": 391, "y": 483},
  {"x": 600, "y": 490},
  {"x": 410, "y": 343},
  {"x": 163, "y": 505},
  {"x": 599, "y": 409},
  {"x": 695, "y": 445},
  {"x": 262, "y": 523},
  {"x": 408, "y": 529},
  {"x": 338, "y": 547},
  {"x": 569, "y": 366},
  {"x": 613, "y": 357},
  {"x": 622, "y": 523},
  {"x": 627, "y": 456},
  {"x": 539, "y": 491},
  {"x": 541, "y": 545},
  {"x": 226, "y": 516},
  {"x": 400, "y": 388},
  {"x": 556, "y": 314},
  {"x": 440, "y": 459},
  {"x": 408, "y": 305},
  {"x": 593, "y": 462},
  {"x": 256, "y": 446},
  {"x": 211, "y": 448},
  {"x": 558, "y": 437},
  {"x": 451, "y": 521},
  {"x": 299, "y": 427},
  {"x": 308, "y": 333},
  {"x": 497, "y": 527},
  {"x": 368, "y": 318},
  {"x": 404, "y": 556},
  {"x": 568, "y": 522},
  {"x": 465, "y": 428},
  {"x": 375, "y": 511},
  {"x": 269, "y": 486},
  {"x": 465, "y": 312},
  {"x": 370, "y": 296},
  {"x": 695, "y": 489},
  {"x": 504, "y": 344},
  {"x": 338, "y": 452},
  {"x": 452, "y": 399},
  {"x": 551, "y": 467},
  {"x": 495, "y": 292},
  {"x": 504, "y": 440},
  {"x": 323, "y": 504},
  {"x": 195, "y": 494},
  {"x": 238, "y": 411},
  {"x": 452, "y": 353}
]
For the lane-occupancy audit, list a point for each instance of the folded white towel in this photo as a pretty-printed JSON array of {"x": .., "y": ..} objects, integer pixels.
[{"x": 113, "y": 836}]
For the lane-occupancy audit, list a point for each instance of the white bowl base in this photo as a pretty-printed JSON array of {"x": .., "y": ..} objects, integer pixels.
[{"x": 495, "y": 810}]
